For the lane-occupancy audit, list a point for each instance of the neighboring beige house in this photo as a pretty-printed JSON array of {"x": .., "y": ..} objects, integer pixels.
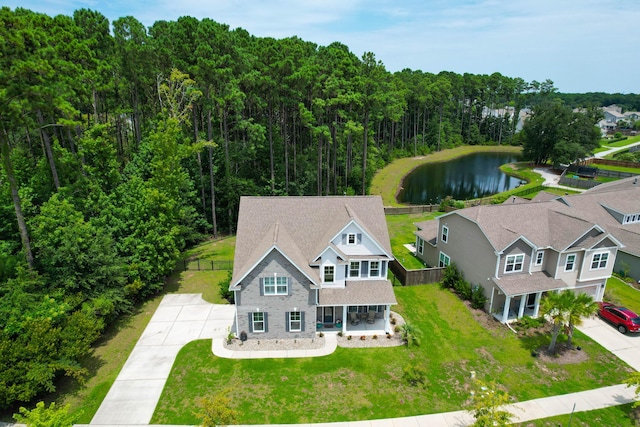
[
  {"x": 304, "y": 264},
  {"x": 520, "y": 250}
]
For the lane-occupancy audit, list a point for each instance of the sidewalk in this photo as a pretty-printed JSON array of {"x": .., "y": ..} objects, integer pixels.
[{"x": 181, "y": 318}]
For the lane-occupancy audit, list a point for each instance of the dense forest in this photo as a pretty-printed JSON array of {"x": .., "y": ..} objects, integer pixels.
[{"x": 121, "y": 145}]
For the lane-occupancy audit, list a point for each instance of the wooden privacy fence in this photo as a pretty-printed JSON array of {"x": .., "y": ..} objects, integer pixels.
[
  {"x": 415, "y": 277},
  {"x": 203, "y": 264},
  {"x": 621, "y": 163}
]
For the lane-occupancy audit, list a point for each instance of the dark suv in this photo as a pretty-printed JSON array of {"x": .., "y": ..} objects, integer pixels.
[{"x": 623, "y": 318}]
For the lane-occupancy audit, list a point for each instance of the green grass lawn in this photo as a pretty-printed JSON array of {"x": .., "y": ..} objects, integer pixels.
[
  {"x": 401, "y": 231},
  {"x": 615, "y": 416},
  {"x": 621, "y": 293},
  {"x": 358, "y": 384}
]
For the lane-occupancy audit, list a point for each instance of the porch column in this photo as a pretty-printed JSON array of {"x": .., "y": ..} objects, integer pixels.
[
  {"x": 505, "y": 310},
  {"x": 523, "y": 300},
  {"x": 536, "y": 307},
  {"x": 387, "y": 314},
  {"x": 345, "y": 319}
]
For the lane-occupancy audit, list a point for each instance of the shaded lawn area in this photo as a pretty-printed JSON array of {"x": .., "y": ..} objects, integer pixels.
[{"x": 359, "y": 384}]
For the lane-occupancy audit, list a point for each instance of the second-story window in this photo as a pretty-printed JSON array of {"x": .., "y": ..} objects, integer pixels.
[
  {"x": 539, "y": 257},
  {"x": 420, "y": 245},
  {"x": 570, "y": 263},
  {"x": 599, "y": 261},
  {"x": 514, "y": 263},
  {"x": 374, "y": 269},
  {"x": 277, "y": 285},
  {"x": 445, "y": 233},
  {"x": 329, "y": 272},
  {"x": 354, "y": 269}
]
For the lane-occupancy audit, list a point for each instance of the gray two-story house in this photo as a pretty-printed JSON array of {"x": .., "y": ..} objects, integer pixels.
[
  {"x": 518, "y": 251},
  {"x": 304, "y": 264}
]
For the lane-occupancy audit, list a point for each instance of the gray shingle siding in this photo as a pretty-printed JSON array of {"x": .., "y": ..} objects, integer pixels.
[{"x": 300, "y": 296}]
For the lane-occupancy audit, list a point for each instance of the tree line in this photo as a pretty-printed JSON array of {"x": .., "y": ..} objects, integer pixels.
[{"x": 121, "y": 145}]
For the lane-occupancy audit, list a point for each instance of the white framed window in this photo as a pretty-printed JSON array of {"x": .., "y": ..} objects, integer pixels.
[
  {"x": 257, "y": 318},
  {"x": 329, "y": 273},
  {"x": 351, "y": 239},
  {"x": 276, "y": 285},
  {"x": 420, "y": 245},
  {"x": 374, "y": 269},
  {"x": 539, "y": 257},
  {"x": 599, "y": 260},
  {"x": 444, "y": 260},
  {"x": 354, "y": 269},
  {"x": 295, "y": 321},
  {"x": 514, "y": 263},
  {"x": 445, "y": 234},
  {"x": 570, "y": 262}
]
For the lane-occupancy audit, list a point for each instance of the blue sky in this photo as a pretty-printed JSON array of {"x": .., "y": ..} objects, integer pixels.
[{"x": 582, "y": 45}]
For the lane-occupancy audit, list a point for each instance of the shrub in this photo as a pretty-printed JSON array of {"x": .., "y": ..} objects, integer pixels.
[
  {"x": 224, "y": 291},
  {"x": 216, "y": 410},
  {"x": 478, "y": 299},
  {"x": 340, "y": 334},
  {"x": 410, "y": 334},
  {"x": 450, "y": 276},
  {"x": 41, "y": 416},
  {"x": 463, "y": 289},
  {"x": 415, "y": 375},
  {"x": 528, "y": 322}
]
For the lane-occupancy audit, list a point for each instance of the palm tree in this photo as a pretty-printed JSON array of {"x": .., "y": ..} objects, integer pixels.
[
  {"x": 582, "y": 306},
  {"x": 555, "y": 308}
]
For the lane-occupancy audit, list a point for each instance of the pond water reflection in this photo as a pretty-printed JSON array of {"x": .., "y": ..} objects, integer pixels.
[{"x": 468, "y": 177}]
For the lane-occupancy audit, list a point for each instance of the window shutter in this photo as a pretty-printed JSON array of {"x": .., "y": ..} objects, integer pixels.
[
  {"x": 250, "y": 322},
  {"x": 344, "y": 239},
  {"x": 261, "y": 286},
  {"x": 364, "y": 269},
  {"x": 286, "y": 321},
  {"x": 359, "y": 238},
  {"x": 289, "y": 290},
  {"x": 383, "y": 269},
  {"x": 302, "y": 321},
  {"x": 266, "y": 324}
]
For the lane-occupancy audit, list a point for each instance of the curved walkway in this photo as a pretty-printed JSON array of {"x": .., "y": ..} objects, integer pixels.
[{"x": 181, "y": 318}]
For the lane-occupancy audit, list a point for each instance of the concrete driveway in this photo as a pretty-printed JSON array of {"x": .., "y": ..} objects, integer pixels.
[
  {"x": 626, "y": 347},
  {"x": 179, "y": 319}
]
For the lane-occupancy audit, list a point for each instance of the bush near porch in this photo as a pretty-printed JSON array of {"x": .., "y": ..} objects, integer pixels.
[{"x": 358, "y": 384}]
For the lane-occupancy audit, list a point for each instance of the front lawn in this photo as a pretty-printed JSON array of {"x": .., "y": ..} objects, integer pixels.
[{"x": 358, "y": 384}]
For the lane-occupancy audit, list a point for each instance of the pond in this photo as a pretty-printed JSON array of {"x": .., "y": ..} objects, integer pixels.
[{"x": 467, "y": 177}]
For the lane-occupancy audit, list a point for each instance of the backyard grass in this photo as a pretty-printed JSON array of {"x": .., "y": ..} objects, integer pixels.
[
  {"x": 388, "y": 180},
  {"x": 401, "y": 231},
  {"x": 359, "y": 384}
]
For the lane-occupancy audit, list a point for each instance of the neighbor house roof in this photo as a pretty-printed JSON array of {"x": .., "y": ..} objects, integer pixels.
[{"x": 301, "y": 228}]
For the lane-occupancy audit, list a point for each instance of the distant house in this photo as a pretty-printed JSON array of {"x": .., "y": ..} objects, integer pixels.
[
  {"x": 519, "y": 251},
  {"x": 304, "y": 264}
]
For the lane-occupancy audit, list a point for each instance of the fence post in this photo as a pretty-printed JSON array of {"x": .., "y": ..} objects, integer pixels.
[
  {"x": 198, "y": 264},
  {"x": 212, "y": 265}
]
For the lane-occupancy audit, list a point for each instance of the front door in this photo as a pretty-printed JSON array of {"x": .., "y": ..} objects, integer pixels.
[{"x": 328, "y": 315}]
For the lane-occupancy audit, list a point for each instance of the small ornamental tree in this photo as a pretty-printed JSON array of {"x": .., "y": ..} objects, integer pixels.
[
  {"x": 487, "y": 406},
  {"x": 216, "y": 410}
]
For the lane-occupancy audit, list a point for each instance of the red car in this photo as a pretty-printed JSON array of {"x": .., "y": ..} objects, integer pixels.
[{"x": 623, "y": 318}]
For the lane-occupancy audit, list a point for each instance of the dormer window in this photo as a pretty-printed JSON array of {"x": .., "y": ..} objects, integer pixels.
[
  {"x": 539, "y": 257},
  {"x": 351, "y": 239},
  {"x": 514, "y": 263},
  {"x": 329, "y": 273},
  {"x": 599, "y": 261},
  {"x": 631, "y": 219}
]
